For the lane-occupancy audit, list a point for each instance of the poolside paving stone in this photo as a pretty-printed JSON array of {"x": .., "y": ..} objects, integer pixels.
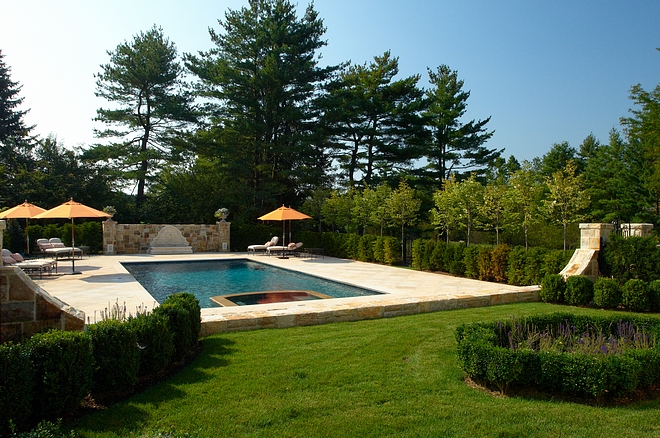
[{"x": 104, "y": 281}]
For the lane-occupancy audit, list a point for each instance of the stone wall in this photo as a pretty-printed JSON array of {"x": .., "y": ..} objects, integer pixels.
[
  {"x": 26, "y": 309},
  {"x": 136, "y": 238}
]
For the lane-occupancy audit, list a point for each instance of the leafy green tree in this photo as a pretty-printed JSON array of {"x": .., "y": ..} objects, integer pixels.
[
  {"x": 446, "y": 214},
  {"x": 566, "y": 197},
  {"x": 261, "y": 81},
  {"x": 523, "y": 200},
  {"x": 374, "y": 120},
  {"x": 470, "y": 198},
  {"x": 493, "y": 208},
  {"x": 370, "y": 208},
  {"x": 313, "y": 205},
  {"x": 455, "y": 146},
  {"x": 336, "y": 210},
  {"x": 145, "y": 81},
  {"x": 403, "y": 210}
]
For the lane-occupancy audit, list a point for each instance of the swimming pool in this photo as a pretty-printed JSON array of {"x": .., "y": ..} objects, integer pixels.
[{"x": 208, "y": 278}]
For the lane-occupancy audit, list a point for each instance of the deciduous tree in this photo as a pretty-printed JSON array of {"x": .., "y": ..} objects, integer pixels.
[
  {"x": 566, "y": 197},
  {"x": 403, "y": 209}
]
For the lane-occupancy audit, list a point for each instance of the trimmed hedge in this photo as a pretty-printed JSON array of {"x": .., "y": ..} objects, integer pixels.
[
  {"x": 553, "y": 288},
  {"x": 48, "y": 376},
  {"x": 499, "y": 263},
  {"x": 485, "y": 355},
  {"x": 16, "y": 384},
  {"x": 607, "y": 293},
  {"x": 368, "y": 248},
  {"x": 635, "y": 295},
  {"x": 116, "y": 354},
  {"x": 63, "y": 371},
  {"x": 154, "y": 341},
  {"x": 579, "y": 290}
]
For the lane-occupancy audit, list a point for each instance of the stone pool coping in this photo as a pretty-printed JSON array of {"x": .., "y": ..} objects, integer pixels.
[{"x": 104, "y": 281}]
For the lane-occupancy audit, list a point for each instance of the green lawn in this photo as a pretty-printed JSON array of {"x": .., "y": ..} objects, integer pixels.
[{"x": 388, "y": 377}]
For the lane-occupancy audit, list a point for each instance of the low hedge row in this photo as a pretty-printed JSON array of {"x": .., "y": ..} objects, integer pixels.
[
  {"x": 486, "y": 356},
  {"x": 634, "y": 295},
  {"x": 51, "y": 373},
  {"x": 500, "y": 263},
  {"x": 366, "y": 248}
]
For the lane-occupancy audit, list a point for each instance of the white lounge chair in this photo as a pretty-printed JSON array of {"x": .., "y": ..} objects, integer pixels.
[
  {"x": 254, "y": 248},
  {"x": 290, "y": 249},
  {"x": 29, "y": 266},
  {"x": 56, "y": 249}
]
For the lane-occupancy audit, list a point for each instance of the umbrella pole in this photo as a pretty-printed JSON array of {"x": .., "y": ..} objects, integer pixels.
[
  {"x": 283, "y": 241},
  {"x": 27, "y": 236},
  {"x": 73, "y": 252}
]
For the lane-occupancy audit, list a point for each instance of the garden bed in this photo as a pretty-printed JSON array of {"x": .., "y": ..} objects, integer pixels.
[{"x": 561, "y": 353}]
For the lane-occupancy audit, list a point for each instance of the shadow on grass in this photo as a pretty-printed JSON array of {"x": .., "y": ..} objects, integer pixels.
[{"x": 131, "y": 414}]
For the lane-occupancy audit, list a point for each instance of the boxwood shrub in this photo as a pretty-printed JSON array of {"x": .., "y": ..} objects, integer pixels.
[
  {"x": 553, "y": 288},
  {"x": 654, "y": 295},
  {"x": 579, "y": 290},
  {"x": 607, "y": 293},
  {"x": 16, "y": 383},
  {"x": 63, "y": 370},
  {"x": 116, "y": 355},
  {"x": 635, "y": 295},
  {"x": 491, "y": 354},
  {"x": 154, "y": 341}
]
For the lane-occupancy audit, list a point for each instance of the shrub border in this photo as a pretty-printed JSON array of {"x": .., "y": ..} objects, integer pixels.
[{"x": 486, "y": 362}]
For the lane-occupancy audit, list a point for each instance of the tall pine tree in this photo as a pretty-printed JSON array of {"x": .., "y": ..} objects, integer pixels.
[
  {"x": 455, "y": 146},
  {"x": 261, "y": 79},
  {"x": 144, "y": 80}
]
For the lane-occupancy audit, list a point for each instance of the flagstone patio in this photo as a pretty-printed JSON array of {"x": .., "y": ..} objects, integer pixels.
[{"x": 104, "y": 281}]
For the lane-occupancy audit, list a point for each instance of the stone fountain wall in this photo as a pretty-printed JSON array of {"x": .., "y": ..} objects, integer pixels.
[{"x": 137, "y": 238}]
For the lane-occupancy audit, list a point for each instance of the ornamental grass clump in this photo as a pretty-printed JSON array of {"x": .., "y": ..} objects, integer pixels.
[{"x": 562, "y": 353}]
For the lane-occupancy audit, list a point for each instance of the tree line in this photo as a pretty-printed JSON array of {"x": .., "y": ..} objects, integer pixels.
[{"x": 256, "y": 122}]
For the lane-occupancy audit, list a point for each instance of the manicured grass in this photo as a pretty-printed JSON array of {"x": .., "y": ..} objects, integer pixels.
[{"x": 389, "y": 377}]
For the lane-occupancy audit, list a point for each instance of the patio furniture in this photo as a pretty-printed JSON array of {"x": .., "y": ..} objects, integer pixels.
[
  {"x": 55, "y": 248},
  {"x": 28, "y": 266},
  {"x": 254, "y": 248},
  {"x": 291, "y": 249}
]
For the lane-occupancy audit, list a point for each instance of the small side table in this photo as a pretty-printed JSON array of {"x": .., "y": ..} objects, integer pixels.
[{"x": 84, "y": 251}]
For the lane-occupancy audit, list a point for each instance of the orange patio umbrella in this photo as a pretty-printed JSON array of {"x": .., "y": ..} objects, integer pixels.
[
  {"x": 23, "y": 211},
  {"x": 72, "y": 210},
  {"x": 284, "y": 214}
]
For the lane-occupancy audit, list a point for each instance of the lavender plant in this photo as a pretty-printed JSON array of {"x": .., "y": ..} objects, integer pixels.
[{"x": 566, "y": 338}]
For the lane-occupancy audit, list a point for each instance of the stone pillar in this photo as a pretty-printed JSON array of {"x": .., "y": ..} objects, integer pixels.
[
  {"x": 638, "y": 230},
  {"x": 3, "y": 225},
  {"x": 591, "y": 234},
  {"x": 109, "y": 237},
  {"x": 223, "y": 236}
]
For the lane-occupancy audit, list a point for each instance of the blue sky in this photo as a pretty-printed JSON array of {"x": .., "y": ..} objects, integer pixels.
[{"x": 546, "y": 71}]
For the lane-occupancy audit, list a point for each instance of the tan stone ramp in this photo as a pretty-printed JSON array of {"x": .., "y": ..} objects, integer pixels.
[{"x": 104, "y": 281}]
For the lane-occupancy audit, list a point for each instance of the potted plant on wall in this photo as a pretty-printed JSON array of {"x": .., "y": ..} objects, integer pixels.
[{"x": 222, "y": 214}]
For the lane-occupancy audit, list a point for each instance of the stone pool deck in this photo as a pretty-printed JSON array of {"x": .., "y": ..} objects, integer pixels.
[{"x": 104, "y": 281}]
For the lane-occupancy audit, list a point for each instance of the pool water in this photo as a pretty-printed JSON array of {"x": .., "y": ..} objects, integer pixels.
[{"x": 209, "y": 278}]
